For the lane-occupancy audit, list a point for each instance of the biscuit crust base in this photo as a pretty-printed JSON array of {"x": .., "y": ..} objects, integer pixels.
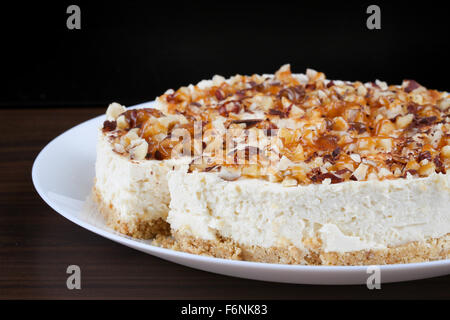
[
  {"x": 137, "y": 228},
  {"x": 432, "y": 249}
]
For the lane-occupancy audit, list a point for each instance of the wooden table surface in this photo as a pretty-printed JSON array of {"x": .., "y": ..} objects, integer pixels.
[{"x": 37, "y": 244}]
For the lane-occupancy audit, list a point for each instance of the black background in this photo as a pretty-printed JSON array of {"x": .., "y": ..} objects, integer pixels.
[{"x": 132, "y": 51}]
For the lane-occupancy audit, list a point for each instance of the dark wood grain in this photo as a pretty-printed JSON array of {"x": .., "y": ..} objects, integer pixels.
[{"x": 37, "y": 244}]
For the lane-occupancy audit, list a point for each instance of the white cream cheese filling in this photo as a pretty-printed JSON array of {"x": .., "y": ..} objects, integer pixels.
[
  {"x": 136, "y": 189},
  {"x": 348, "y": 216}
]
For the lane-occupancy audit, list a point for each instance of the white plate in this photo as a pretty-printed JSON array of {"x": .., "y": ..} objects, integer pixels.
[{"x": 63, "y": 175}]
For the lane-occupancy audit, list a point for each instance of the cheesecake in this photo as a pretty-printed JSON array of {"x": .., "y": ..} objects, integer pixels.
[{"x": 283, "y": 168}]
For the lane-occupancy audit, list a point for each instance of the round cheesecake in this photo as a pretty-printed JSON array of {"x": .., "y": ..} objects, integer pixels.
[{"x": 283, "y": 168}]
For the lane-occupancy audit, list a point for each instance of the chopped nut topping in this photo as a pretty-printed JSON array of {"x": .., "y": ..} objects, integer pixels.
[{"x": 293, "y": 129}]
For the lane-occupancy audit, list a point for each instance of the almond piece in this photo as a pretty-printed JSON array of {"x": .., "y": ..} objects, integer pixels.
[
  {"x": 386, "y": 127},
  {"x": 114, "y": 110},
  {"x": 289, "y": 182},
  {"x": 383, "y": 172},
  {"x": 362, "y": 91},
  {"x": 355, "y": 157},
  {"x": 122, "y": 123},
  {"x": 361, "y": 172},
  {"x": 445, "y": 151},
  {"x": 385, "y": 145},
  {"x": 129, "y": 137},
  {"x": 427, "y": 169},
  {"x": 296, "y": 112},
  {"x": 340, "y": 124},
  {"x": 311, "y": 73},
  {"x": 139, "y": 149},
  {"x": 444, "y": 104},
  {"x": 404, "y": 121}
]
